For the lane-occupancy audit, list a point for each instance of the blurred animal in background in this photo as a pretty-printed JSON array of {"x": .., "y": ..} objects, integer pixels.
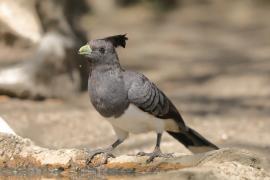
[{"x": 53, "y": 28}]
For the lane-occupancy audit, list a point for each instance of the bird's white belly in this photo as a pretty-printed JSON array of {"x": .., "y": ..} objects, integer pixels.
[{"x": 136, "y": 121}]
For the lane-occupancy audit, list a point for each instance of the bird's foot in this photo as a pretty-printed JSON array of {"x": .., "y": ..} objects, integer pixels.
[
  {"x": 106, "y": 153},
  {"x": 156, "y": 153}
]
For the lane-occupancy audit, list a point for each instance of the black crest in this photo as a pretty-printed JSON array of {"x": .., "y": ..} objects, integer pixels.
[{"x": 117, "y": 40}]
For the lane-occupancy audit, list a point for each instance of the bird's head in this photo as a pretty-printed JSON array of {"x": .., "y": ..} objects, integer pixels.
[{"x": 103, "y": 50}]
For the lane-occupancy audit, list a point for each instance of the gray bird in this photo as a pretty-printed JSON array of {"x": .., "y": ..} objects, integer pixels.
[{"x": 132, "y": 103}]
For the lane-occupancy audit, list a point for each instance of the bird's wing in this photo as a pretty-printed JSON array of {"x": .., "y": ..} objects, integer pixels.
[{"x": 146, "y": 96}]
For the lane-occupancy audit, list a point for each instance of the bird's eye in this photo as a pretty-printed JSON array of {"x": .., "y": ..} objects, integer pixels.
[{"x": 102, "y": 50}]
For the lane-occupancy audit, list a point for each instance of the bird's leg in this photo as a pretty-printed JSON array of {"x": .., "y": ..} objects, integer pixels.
[
  {"x": 157, "y": 152},
  {"x": 106, "y": 151}
]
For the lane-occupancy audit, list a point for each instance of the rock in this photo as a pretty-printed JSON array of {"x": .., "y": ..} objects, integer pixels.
[
  {"x": 17, "y": 153},
  {"x": 4, "y": 127}
]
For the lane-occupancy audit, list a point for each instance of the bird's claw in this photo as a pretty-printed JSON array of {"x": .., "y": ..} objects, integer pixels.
[
  {"x": 105, "y": 152},
  {"x": 154, "y": 154}
]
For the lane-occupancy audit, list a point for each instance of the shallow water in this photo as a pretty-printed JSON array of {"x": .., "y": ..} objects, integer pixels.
[{"x": 24, "y": 176}]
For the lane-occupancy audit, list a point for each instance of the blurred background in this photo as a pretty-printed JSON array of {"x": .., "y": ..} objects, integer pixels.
[{"x": 211, "y": 57}]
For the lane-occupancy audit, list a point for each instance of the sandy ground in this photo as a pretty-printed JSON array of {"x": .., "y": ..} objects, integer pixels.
[{"x": 214, "y": 66}]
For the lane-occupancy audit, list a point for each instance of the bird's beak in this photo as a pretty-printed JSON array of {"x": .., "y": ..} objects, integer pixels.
[{"x": 84, "y": 50}]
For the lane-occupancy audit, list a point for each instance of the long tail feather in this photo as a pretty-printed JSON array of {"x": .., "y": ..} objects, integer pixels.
[{"x": 195, "y": 142}]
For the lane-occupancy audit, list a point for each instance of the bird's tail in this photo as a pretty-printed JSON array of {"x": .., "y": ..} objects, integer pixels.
[{"x": 195, "y": 142}]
